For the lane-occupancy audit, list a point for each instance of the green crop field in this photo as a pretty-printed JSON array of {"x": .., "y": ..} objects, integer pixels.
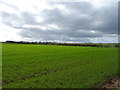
[{"x": 52, "y": 66}]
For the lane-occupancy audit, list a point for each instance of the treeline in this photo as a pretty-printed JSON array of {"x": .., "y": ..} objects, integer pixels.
[{"x": 68, "y": 44}]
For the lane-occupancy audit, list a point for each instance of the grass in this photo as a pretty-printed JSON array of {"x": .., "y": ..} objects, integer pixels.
[{"x": 50, "y": 66}]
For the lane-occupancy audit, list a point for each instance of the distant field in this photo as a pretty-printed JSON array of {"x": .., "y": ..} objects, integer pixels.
[{"x": 51, "y": 66}]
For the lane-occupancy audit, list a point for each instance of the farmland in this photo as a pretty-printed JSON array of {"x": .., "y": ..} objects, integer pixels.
[{"x": 52, "y": 66}]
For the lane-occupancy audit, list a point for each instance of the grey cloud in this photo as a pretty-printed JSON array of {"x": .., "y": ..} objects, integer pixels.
[
  {"x": 28, "y": 18},
  {"x": 39, "y": 34},
  {"x": 10, "y": 5},
  {"x": 8, "y": 18},
  {"x": 107, "y": 16}
]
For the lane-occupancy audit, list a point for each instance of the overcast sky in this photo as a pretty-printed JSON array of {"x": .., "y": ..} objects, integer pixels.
[{"x": 80, "y": 22}]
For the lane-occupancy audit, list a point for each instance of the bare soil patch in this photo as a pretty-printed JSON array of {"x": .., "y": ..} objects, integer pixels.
[{"x": 112, "y": 83}]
